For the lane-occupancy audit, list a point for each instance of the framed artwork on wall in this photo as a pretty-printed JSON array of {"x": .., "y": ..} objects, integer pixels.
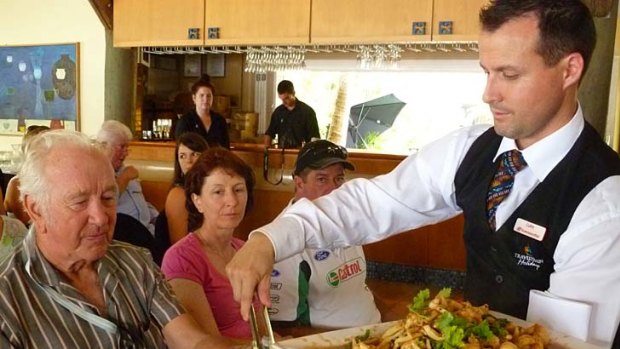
[
  {"x": 214, "y": 65},
  {"x": 191, "y": 66},
  {"x": 39, "y": 85}
]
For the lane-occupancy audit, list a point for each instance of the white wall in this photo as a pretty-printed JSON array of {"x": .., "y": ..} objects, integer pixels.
[{"x": 31, "y": 22}]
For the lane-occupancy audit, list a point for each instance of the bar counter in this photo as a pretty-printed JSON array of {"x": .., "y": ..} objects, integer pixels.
[{"x": 432, "y": 254}]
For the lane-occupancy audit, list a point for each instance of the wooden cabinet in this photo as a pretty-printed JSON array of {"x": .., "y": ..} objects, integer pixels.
[
  {"x": 460, "y": 17},
  {"x": 365, "y": 21},
  {"x": 257, "y": 22},
  {"x": 158, "y": 22},
  {"x": 277, "y": 22}
]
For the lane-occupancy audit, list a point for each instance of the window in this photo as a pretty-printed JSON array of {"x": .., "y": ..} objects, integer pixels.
[{"x": 439, "y": 95}]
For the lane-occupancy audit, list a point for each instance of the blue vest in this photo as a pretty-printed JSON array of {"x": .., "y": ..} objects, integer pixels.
[{"x": 503, "y": 266}]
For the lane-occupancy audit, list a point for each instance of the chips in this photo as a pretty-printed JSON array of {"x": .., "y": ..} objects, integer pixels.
[{"x": 445, "y": 323}]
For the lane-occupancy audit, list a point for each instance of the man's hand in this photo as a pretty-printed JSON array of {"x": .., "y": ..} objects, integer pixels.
[
  {"x": 125, "y": 177},
  {"x": 130, "y": 172},
  {"x": 251, "y": 267}
]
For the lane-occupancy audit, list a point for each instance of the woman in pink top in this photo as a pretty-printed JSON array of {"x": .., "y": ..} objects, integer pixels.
[{"x": 219, "y": 193}]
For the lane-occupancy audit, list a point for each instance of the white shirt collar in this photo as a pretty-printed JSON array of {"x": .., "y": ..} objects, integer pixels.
[{"x": 544, "y": 155}]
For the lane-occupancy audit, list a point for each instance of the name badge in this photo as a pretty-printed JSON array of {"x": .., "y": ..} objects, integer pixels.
[{"x": 529, "y": 229}]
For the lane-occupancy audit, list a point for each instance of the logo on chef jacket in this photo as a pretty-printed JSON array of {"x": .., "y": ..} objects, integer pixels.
[
  {"x": 321, "y": 255},
  {"x": 345, "y": 272},
  {"x": 275, "y": 273},
  {"x": 526, "y": 259}
]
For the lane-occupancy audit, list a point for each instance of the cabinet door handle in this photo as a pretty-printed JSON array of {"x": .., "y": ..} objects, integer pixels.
[
  {"x": 418, "y": 28},
  {"x": 213, "y": 33},
  {"x": 193, "y": 33},
  {"x": 445, "y": 27}
]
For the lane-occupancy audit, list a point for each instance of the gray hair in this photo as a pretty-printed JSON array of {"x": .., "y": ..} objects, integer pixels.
[
  {"x": 112, "y": 130},
  {"x": 32, "y": 181}
]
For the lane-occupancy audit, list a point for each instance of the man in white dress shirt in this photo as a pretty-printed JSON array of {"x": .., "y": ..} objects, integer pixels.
[
  {"x": 552, "y": 252},
  {"x": 115, "y": 137}
]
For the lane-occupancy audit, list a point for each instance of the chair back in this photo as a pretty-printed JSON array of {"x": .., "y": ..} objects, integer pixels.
[
  {"x": 130, "y": 230},
  {"x": 162, "y": 237}
]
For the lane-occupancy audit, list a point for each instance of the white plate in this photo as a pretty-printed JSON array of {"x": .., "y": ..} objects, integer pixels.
[{"x": 336, "y": 339}]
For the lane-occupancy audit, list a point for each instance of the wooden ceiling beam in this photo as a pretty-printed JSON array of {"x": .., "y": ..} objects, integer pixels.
[{"x": 103, "y": 8}]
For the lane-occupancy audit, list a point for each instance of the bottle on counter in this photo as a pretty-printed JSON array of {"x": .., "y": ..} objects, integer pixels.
[{"x": 21, "y": 123}]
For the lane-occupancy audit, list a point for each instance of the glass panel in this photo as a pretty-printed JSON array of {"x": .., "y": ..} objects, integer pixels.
[{"x": 439, "y": 95}]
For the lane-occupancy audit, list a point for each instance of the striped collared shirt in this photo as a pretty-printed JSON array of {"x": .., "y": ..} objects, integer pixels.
[{"x": 139, "y": 302}]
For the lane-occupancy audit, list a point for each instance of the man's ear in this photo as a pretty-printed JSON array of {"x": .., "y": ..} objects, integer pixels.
[
  {"x": 574, "y": 69},
  {"x": 298, "y": 182},
  {"x": 34, "y": 211}
]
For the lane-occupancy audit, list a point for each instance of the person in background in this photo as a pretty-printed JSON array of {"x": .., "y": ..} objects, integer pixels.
[
  {"x": 171, "y": 225},
  {"x": 219, "y": 190},
  {"x": 294, "y": 122},
  {"x": 12, "y": 232},
  {"x": 321, "y": 287},
  {"x": 2, "y": 209},
  {"x": 539, "y": 191},
  {"x": 12, "y": 204},
  {"x": 204, "y": 121},
  {"x": 68, "y": 285},
  {"x": 115, "y": 137}
]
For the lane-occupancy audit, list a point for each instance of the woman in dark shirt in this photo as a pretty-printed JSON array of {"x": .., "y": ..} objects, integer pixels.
[
  {"x": 171, "y": 224},
  {"x": 207, "y": 123}
]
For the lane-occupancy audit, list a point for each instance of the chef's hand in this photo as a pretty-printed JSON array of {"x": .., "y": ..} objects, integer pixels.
[{"x": 251, "y": 267}]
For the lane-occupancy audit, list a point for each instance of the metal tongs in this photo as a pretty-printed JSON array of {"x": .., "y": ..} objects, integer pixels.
[{"x": 257, "y": 342}]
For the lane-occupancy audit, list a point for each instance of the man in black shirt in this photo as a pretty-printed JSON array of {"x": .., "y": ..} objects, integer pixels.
[{"x": 294, "y": 122}]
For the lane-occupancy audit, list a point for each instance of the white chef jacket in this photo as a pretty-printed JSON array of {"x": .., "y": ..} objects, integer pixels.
[{"x": 420, "y": 191}]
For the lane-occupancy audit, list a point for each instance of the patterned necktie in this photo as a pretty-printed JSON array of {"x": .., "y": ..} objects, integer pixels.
[{"x": 510, "y": 163}]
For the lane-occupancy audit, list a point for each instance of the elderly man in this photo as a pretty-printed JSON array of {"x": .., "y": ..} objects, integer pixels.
[
  {"x": 68, "y": 285},
  {"x": 115, "y": 137},
  {"x": 322, "y": 287}
]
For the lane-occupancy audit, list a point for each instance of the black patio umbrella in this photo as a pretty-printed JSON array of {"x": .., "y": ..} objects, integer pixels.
[{"x": 374, "y": 116}]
